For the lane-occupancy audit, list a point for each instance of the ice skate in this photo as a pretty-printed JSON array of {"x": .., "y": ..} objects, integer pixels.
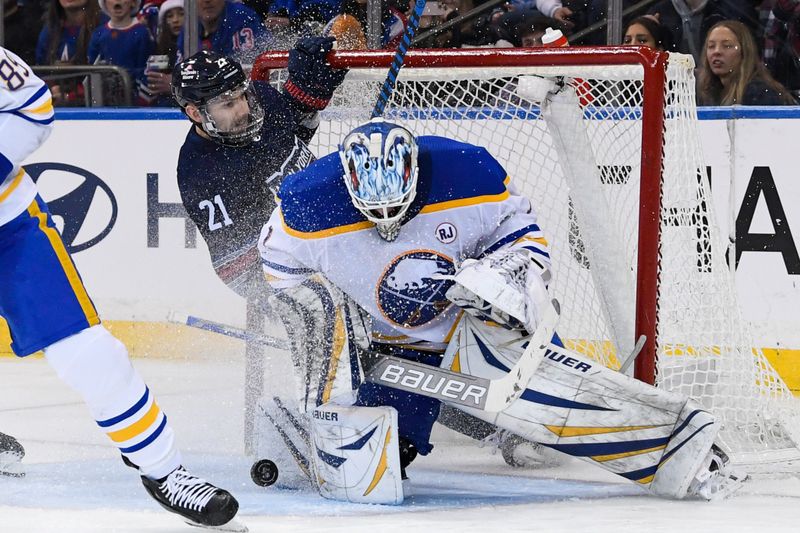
[
  {"x": 11, "y": 453},
  {"x": 199, "y": 502},
  {"x": 521, "y": 453},
  {"x": 718, "y": 479}
]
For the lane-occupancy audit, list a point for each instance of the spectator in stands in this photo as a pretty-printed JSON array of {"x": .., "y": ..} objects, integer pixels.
[
  {"x": 295, "y": 14},
  {"x": 23, "y": 20},
  {"x": 170, "y": 23},
  {"x": 689, "y": 21},
  {"x": 68, "y": 26},
  {"x": 782, "y": 43},
  {"x": 525, "y": 28},
  {"x": 123, "y": 41},
  {"x": 229, "y": 28},
  {"x": 393, "y": 19},
  {"x": 434, "y": 14},
  {"x": 647, "y": 31},
  {"x": 731, "y": 72},
  {"x": 549, "y": 8},
  {"x": 159, "y": 67},
  {"x": 64, "y": 40},
  {"x": 530, "y": 31}
]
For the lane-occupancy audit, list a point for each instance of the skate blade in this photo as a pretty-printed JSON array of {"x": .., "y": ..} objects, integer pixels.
[
  {"x": 12, "y": 470},
  {"x": 234, "y": 525}
]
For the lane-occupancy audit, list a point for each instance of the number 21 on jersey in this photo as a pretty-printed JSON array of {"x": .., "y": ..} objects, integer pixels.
[{"x": 213, "y": 222}]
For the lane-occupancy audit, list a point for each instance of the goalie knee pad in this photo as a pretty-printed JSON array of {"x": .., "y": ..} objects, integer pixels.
[{"x": 355, "y": 455}]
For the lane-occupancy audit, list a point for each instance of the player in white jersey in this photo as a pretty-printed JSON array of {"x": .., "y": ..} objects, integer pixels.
[
  {"x": 45, "y": 303},
  {"x": 429, "y": 238}
]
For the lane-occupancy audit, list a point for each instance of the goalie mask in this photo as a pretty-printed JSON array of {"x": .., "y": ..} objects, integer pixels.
[
  {"x": 229, "y": 111},
  {"x": 380, "y": 171}
]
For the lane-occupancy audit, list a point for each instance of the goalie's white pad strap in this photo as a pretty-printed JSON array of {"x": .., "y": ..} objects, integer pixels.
[
  {"x": 579, "y": 407},
  {"x": 356, "y": 455}
]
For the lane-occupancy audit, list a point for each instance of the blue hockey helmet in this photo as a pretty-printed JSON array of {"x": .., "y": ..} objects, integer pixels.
[{"x": 380, "y": 171}]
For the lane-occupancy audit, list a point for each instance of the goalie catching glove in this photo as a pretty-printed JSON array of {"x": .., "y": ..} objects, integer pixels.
[{"x": 508, "y": 287}]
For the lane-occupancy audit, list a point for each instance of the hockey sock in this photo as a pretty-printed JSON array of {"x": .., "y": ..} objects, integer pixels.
[{"x": 96, "y": 365}]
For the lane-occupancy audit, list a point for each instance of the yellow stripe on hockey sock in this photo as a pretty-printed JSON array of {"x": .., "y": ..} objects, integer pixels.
[
  {"x": 565, "y": 431},
  {"x": 66, "y": 264},
  {"x": 613, "y": 456},
  {"x": 138, "y": 427},
  {"x": 381, "y": 468}
]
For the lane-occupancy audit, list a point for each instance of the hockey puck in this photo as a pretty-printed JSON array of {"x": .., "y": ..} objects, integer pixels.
[{"x": 264, "y": 473}]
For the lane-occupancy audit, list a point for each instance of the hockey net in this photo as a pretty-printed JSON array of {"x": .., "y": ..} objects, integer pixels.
[{"x": 613, "y": 166}]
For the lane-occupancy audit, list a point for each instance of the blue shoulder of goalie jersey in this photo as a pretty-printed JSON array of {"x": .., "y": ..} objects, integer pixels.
[{"x": 451, "y": 174}]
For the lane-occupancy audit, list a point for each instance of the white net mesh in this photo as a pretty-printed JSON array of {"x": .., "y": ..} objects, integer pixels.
[{"x": 579, "y": 160}]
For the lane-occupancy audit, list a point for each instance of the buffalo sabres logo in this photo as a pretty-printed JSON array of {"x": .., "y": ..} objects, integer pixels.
[{"x": 411, "y": 292}]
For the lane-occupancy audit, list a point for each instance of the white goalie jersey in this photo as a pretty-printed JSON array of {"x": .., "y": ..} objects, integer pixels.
[{"x": 464, "y": 208}]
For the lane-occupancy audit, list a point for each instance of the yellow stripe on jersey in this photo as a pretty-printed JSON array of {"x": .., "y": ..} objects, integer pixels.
[
  {"x": 539, "y": 240},
  {"x": 66, "y": 264},
  {"x": 138, "y": 427},
  {"x": 463, "y": 202},
  {"x": 321, "y": 234},
  {"x": 14, "y": 184},
  {"x": 507, "y": 181},
  {"x": 45, "y": 108},
  {"x": 358, "y": 226}
]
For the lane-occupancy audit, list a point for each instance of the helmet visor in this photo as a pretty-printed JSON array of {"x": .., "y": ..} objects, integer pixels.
[{"x": 235, "y": 116}]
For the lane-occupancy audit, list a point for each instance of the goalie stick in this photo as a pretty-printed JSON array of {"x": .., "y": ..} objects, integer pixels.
[
  {"x": 470, "y": 391},
  {"x": 299, "y": 457},
  {"x": 227, "y": 330}
]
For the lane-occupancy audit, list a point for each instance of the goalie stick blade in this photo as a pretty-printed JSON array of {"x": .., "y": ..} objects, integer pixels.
[
  {"x": 302, "y": 461},
  {"x": 462, "y": 389},
  {"x": 507, "y": 389}
]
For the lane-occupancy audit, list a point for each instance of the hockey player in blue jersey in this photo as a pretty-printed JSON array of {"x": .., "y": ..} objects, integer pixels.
[
  {"x": 420, "y": 248},
  {"x": 47, "y": 307},
  {"x": 123, "y": 41},
  {"x": 245, "y": 137}
]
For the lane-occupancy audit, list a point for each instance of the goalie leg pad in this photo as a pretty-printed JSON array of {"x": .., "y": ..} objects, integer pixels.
[
  {"x": 356, "y": 455},
  {"x": 655, "y": 438},
  {"x": 328, "y": 334}
]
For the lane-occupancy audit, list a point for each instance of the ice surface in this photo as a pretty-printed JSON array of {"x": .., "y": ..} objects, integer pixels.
[{"x": 76, "y": 482}]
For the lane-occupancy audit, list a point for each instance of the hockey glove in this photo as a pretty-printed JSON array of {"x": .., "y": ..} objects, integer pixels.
[{"x": 311, "y": 79}]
